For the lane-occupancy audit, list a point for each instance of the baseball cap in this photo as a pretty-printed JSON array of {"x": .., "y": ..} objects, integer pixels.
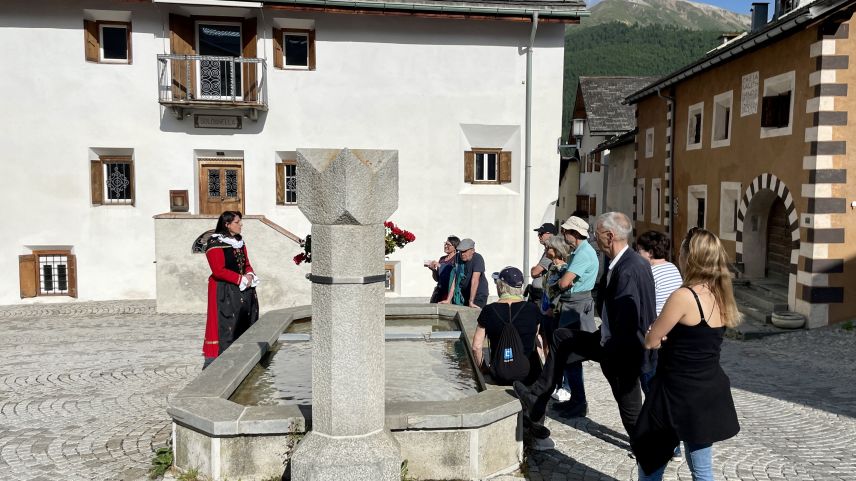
[
  {"x": 510, "y": 275},
  {"x": 547, "y": 227},
  {"x": 466, "y": 244},
  {"x": 577, "y": 225}
]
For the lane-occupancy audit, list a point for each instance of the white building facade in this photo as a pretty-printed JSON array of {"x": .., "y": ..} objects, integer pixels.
[{"x": 94, "y": 145}]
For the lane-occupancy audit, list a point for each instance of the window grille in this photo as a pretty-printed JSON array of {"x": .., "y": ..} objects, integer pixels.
[
  {"x": 290, "y": 183},
  {"x": 53, "y": 275},
  {"x": 117, "y": 182}
]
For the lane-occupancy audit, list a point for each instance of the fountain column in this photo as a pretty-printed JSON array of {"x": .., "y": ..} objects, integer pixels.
[{"x": 347, "y": 195}]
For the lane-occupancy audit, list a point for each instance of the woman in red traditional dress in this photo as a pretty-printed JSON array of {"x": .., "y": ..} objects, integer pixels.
[{"x": 232, "y": 303}]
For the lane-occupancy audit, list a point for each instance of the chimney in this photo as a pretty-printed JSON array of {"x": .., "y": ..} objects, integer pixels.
[
  {"x": 759, "y": 16},
  {"x": 777, "y": 11}
]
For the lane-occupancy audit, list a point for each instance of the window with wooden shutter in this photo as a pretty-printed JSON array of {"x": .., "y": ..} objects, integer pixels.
[
  {"x": 485, "y": 166},
  {"x": 469, "y": 165},
  {"x": 286, "y": 182},
  {"x": 96, "y": 182},
  {"x": 583, "y": 202},
  {"x": 249, "y": 39},
  {"x": 181, "y": 37},
  {"x": 107, "y": 41},
  {"x": 112, "y": 180},
  {"x": 592, "y": 206},
  {"x": 28, "y": 276},
  {"x": 90, "y": 39},
  {"x": 504, "y": 167},
  {"x": 297, "y": 49},
  {"x": 55, "y": 273},
  {"x": 277, "y": 48},
  {"x": 597, "y": 162}
]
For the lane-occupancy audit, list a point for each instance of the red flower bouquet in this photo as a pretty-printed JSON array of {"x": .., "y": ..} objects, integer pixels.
[{"x": 396, "y": 237}]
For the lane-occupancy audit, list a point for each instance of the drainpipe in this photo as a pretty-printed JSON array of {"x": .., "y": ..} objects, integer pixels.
[
  {"x": 526, "y": 176},
  {"x": 671, "y": 227},
  {"x": 604, "y": 166}
]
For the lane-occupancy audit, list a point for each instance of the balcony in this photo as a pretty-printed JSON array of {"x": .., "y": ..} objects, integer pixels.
[{"x": 211, "y": 82}]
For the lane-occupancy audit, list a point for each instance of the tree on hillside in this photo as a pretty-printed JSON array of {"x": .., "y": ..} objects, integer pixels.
[{"x": 619, "y": 49}]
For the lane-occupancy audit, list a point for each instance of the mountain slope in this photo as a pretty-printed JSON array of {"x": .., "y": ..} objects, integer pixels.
[{"x": 679, "y": 13}]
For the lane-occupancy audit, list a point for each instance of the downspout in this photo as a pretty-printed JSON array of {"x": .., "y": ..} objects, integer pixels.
[
  {"x": 670, "y": 229},
  {"x": 528, "y": 154}
]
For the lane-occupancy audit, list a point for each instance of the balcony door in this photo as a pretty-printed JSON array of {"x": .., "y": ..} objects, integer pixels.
[
  {"x": 221, "y": 185},
  {"x": 219, "y": 76}
]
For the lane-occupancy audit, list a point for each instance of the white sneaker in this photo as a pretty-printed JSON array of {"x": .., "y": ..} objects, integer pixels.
[
  {"x": 545, "y": 444},
  {"x": 561, "y": 395}
]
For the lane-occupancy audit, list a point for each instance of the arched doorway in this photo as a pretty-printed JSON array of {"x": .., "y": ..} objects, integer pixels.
[{"x": 768, "y": 230}]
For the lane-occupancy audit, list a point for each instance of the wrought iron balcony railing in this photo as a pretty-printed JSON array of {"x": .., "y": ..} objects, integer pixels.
[{"x": 202, "y": 81}]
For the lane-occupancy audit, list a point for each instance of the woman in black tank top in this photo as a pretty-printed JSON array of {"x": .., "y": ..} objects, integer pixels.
[{"x": 690, "y": 397}]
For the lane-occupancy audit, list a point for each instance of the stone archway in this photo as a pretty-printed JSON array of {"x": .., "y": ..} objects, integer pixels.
[{"x": 768, "y": 235}]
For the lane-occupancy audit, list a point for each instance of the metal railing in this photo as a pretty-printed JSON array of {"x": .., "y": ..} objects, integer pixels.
[{"x": 198, "y": 79}]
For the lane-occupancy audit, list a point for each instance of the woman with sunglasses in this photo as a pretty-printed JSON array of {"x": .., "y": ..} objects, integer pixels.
[
  {"x": 690, "y": 395},
  {"x": 441, "y": 269}
]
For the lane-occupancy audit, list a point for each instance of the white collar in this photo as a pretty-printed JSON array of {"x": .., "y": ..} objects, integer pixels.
[
  {"x": 618, "y": 256},
  {"x": 237, "y": 244}
]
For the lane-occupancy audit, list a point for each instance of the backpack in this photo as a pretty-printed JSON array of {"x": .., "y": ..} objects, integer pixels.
[{"x": 507, "y": 361}]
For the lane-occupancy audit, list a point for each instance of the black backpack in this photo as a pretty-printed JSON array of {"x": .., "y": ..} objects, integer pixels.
[{"x": 507, "y": 360}]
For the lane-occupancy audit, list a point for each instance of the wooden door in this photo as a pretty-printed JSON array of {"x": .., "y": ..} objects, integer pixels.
[{"x": 221, "y": 186}]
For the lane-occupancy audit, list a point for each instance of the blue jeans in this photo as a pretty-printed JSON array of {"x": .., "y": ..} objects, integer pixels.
[
  {"x": 574, "y": 376},
  {"x": 699, "y": 459}
]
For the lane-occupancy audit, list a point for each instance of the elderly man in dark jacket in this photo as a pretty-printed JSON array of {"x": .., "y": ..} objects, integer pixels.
[{"x": 628, "y": 308}]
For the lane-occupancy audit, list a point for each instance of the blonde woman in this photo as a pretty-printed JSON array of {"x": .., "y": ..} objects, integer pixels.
[{"x": 690, "y": 398}]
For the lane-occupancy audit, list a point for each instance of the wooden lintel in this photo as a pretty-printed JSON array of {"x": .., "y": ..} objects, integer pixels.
[{"x": 400, "y": 13}]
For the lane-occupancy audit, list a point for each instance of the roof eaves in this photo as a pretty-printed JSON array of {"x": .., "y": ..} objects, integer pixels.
[
  {"x": 544, "y": 12},
  {"x": 769, "y": 34}
]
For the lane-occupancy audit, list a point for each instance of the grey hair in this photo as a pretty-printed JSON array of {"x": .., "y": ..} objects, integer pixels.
[
  {"x": 505, "y": 290},
  {"x": 559, "y": 246},
  {"x": 617, "y": 223}
]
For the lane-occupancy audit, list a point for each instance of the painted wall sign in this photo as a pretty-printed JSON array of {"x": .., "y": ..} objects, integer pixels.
[
  {"x": 749, "y": 95},
  {"x": 217, "y": 121}
]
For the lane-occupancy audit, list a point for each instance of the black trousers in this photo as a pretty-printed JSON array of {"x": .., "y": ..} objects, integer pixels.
[{"x": 622, "y": 374}]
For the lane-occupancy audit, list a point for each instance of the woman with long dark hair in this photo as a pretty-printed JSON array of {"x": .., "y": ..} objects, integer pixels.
[
  {"x": 442, "y": 269},
  {"x": 690, "y": 395},
  {"x": 232, "y": 303}
]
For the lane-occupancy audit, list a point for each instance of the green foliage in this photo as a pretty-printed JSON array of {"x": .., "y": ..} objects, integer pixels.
[
  {"x": 191, "y": 474},
  {"x": 161, "y": 462},
  {"x": 847, "y": 326},
  {"x": 614, "y": 49}
]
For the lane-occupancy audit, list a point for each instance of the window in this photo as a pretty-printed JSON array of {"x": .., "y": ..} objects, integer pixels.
[
  {"x": 592, "y": 206},
  {"x": 695, "y": 125},
  {"x": 294, "y": 49},
  {"x": 48, "y": 273},
  {"x": 640, "y": 199},
  {"x": 107, "y": 42},
  {"x": 112, "y": 180},
  {"x": 649, "y": 142},
  {"x": 487, "y": 166},
  {"x": 286, "y": 182},
  {"x": 583, "y": 203},
  {"x": 729, "y": 202},
  {"x": 721, "y": 132},
  {"x": 777, "y": 105},
  {"x": 656, "y": 201},
  {"x": 392, "y": 284},
  {"x": 597, "y": 160},
  {"x": 696, "y": 206}
]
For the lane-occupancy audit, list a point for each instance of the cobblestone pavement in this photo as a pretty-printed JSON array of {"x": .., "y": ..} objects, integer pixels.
[
  {"x": 795, "y": 395},
  {"x": 83, "y": 392}
]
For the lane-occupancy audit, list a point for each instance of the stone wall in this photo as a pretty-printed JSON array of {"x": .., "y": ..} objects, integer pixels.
[{"x": 182, "y": 277}]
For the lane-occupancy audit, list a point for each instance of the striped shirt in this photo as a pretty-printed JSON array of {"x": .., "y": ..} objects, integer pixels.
[{"x": 667, "y": 279}]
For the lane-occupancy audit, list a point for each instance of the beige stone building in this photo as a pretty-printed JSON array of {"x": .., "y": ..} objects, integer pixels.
[{"x": 751, "y": 142}]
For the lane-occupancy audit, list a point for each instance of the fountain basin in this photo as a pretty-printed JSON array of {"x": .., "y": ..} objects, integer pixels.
[{"x": 473, "y": 436}]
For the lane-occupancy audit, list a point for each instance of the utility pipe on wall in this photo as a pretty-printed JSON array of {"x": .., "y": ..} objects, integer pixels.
[{"x": 528, "y": 154}]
